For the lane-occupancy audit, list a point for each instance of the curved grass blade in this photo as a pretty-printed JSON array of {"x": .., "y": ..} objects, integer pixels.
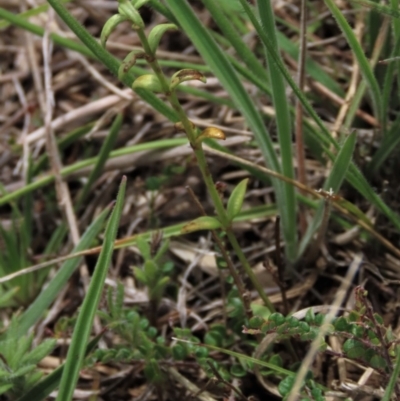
[
  {"x": 36, "y": 310},
  {"x": 332, "y": 183},
  {"x": 105, "y": 150},
  {"x": 389, "y": 144},
  {"x": 68, "y": 170},
  {"x": 284, "y": 128},
  {"x": 84, "y": 322}
]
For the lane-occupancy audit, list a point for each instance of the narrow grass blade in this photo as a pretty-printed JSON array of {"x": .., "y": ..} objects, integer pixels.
[
  {"x": 68, "y": 170},
  {"x": 62, "y": 143},
  {"x": 361, "y": 58},
  {"x": 332, "y": 183},
  {"x": 390, "y": 75},
  {"x": 229, "y": 33},
  {"x": 36, "y": 310},
  {"x": 84, "y": 322},
  {"x": 389, "y": 144},
  {"x": 224, "y": 71},
  {"x": 105, "y": 150},
  {"x": 284, "y": 127},
  {"x": 390, "y": 388},
  {"x": 380, "y": 8},
  {"x": 313, "y": 69},
  {"x": 21, "y": 22}
]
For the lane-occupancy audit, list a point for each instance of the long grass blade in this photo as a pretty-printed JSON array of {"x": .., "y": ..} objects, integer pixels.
[
  {"x": 284, "y": 127},
  {"x": 221, "y": 67},
  {"x": 84, "y": 322},
  {"x": 68, "y": 170},
  {"x": 36, "y": 310},
  {"x": 390, "y": 388},
  {"x": 332, "y": 183},
  {"x": 104, "y": 154}
]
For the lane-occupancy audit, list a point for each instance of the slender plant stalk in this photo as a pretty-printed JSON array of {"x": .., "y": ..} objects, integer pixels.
[
  {"x": 203, "y": 165},
  {"x": 284, "y": 131},
  {"x": 236, "y": 278}
]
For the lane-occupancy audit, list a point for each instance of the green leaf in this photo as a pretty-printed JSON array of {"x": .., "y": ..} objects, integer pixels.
[
  {"x": 286, "y": 385},
  {"x": 144, "y": 248},
  {"x": 341, "y": 324},
  {"x": 86, "y": 315},
  {"x": 157, "y": 291},
  {"x": 236, "y": 199},
  {"x": 41, "y": 390},
  {"x": 140, "y": 275},
  {"x": 377, "y": 362},
  {"x": 354, "y": 348},
  {"x": 179, "y": 352},
  {"x": 151, "y": 272},
  {"x": 238, "y": 370},
  {"x": 39, "y": 352}
]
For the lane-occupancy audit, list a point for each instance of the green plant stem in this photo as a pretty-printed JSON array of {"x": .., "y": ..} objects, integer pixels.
[
  {"x": 203, "y": 166},
  {"x": 236, "y": 278},
  {"x": 201, "y": 158}
]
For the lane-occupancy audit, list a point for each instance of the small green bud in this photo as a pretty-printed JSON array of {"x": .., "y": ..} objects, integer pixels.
[
  {"x": 186, "y": 75},
  {"x": 149, "y": 82},
  {"x": 156, "y": 34},
  {"x": 109, "y": 26}
]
